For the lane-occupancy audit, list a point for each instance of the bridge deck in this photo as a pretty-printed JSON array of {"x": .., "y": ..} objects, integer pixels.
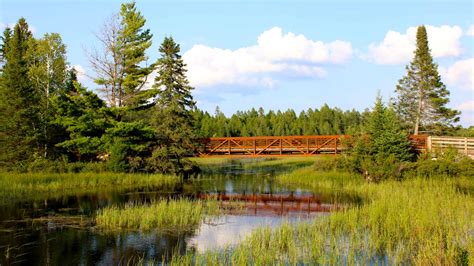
[{"x": 265, "y": 146}]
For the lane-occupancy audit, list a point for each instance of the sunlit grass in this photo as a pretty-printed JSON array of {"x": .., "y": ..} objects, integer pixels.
[
  {"x": 416, "y": 221},
  {"x": 257, "y": 163},
  {"x": 174, "y": 215},
  {"x": 16, "y": 186}
]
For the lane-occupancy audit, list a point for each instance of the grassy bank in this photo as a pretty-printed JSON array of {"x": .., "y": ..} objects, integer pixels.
[
  {"x": 290, "y": 162},
  {"x": 174, "y": 215},
  {"x": 416, "y": 221},
  {"x": 15, "y": 186}
]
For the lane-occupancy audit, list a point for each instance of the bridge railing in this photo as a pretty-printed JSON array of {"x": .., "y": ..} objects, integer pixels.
[
  {"x": 316, "y": 145},
  {"x": 273, "y": 145}
]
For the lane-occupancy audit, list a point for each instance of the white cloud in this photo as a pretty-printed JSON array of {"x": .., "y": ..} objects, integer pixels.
[
  {"x": 470, "y": 31},
  {"x": 81, "y": 73},
  {"x": 397, "y": 48},
  {"x": 466, "y": 106},
  {"x": 460, "y": 74},
  {"x": 275, "y": 53}
]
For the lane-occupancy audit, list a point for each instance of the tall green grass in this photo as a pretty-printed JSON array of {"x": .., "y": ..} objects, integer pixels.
[
  {"x": 417, "y": 221},
  {"x": 175, "y": 215},
  {"x": 15, "y": 186}
]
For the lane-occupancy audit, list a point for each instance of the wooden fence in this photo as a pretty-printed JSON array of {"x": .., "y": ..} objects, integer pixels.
[{"x": 441, "y": 143}]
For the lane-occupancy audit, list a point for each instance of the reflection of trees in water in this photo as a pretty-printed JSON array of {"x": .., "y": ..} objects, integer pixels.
[{"x": 77, "y": 246}]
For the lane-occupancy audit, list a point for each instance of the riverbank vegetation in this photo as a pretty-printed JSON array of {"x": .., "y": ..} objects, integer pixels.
[
  {"x": 180, "y": 215},
  {"x": 24, "y": 186},
  {"x": 135, "y": 124},
  {"x": 416, "y": 221}
]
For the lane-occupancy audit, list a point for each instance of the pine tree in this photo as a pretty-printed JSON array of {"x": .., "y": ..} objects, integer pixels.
[
  {"x": 19, "y": 106},
  {"x": 421, "y": 95},
  {"x": 82, "y": 118},
  {"x": 380, "y": 149},
  {"x": 136, "y": 40},
  {"x": 172, "y": 118},
  {"x": 119, "y": 66}
]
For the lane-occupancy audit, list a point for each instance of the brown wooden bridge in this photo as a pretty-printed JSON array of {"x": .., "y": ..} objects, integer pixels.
[{"x": 285, "y": 145}]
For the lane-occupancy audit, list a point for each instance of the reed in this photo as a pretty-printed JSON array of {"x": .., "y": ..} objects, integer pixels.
[
  {"x": 21, "y": 186},
  {"x": 417, "y": 221},
  {"x": 180, "y": 215}
]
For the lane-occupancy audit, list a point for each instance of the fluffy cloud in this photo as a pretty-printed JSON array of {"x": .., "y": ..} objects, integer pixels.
[
  {"x": 470, "y": 31},
  {"x": 460, "y": 74},
  {"x": 275, "y": 53},
  {"x": 397, "y": 48},
  {"x": 81, "y": 73}
]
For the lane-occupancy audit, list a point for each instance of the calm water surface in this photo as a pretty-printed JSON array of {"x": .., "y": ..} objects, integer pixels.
[{"x": 59, "y": 231}]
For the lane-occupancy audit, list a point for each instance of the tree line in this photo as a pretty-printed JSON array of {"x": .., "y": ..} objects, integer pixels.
[
  {"x": 135, "y": 124},
  {"x": 322, "y": 121},
  {"x": 138, "y": 124}
]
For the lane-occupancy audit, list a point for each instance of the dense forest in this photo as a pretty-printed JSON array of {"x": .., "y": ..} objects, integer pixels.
[
  {"x": 323, "y": 121},
  {"x": 48, "y": 115}
]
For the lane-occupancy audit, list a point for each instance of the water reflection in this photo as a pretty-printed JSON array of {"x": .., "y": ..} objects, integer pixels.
[
  {"x": 27, "y": 240},
  {"x": 231, "y": 229}
]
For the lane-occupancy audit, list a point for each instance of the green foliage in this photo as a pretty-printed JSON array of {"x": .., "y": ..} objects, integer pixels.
[
  {"x": 323, "y": 121},
  {"x": 447, "y": 165},
  {"x": 128, "y": 142},
  {"x": 172, "y": 118},
  {"x": 19, "y": 108},
  {"x": 379, "y": 151},
  {"x": 135, "y": 40},
  {"x": 421, "y": 95},
  {"x": 120, "y": 67},
  {"x": 84, "y": 119}
]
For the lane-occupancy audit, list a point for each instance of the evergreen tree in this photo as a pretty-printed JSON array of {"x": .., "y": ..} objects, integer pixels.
[
  {"x": 119, "y": 66},
  {"x": 172, "y": 118},
  {"x": 83, "y": 119},
  {"x": 379, "y": 150},
  {"x": 19, "y": 106},
  {"x": 421, "y": 95},
  {"x": 136, "y": 40},
  {"x": 7, "y": 34}
]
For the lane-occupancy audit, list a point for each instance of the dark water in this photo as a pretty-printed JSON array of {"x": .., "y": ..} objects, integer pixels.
[{"x": 59, "y": 231}]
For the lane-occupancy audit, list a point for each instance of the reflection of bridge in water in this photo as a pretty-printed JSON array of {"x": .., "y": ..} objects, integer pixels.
[
  {"x": 268, "y": 204},
  {"x": 285, "y": 145}
]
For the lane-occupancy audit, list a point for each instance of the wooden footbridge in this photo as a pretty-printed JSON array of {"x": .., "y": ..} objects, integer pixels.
[{"x": 284, "y": 145}]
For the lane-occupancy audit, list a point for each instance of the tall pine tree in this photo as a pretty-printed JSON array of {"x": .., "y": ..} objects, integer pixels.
[
  {"x": 120, "y": 66},
  {"x": 172, "y": 118},
  {"x": 421, "y": 95},
  {"x": 19, "y": 106}
]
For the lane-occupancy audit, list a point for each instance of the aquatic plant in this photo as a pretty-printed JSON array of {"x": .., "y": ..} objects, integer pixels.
[
  {"x": 417, "y": 221},
  {"x": 175, "y": 215},
  {"x": 16, "y": 186}
]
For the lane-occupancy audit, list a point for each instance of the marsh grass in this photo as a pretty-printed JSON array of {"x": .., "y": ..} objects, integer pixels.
[
  {"x": 24, "y": 186},
  {"x": 181, "y": 215},
  {"x": 417, "y": 221},
  {"x": 217, "y": 164}
]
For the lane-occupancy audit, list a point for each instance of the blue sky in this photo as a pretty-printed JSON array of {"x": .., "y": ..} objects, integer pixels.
[{"x": 281, "y": 54}]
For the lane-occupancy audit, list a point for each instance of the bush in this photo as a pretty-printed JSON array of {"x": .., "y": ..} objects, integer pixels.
[
  {"x": 426, "y": 167},
  {"x": 344, "y": 163},
  {"x": 379, "y": 167}
]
